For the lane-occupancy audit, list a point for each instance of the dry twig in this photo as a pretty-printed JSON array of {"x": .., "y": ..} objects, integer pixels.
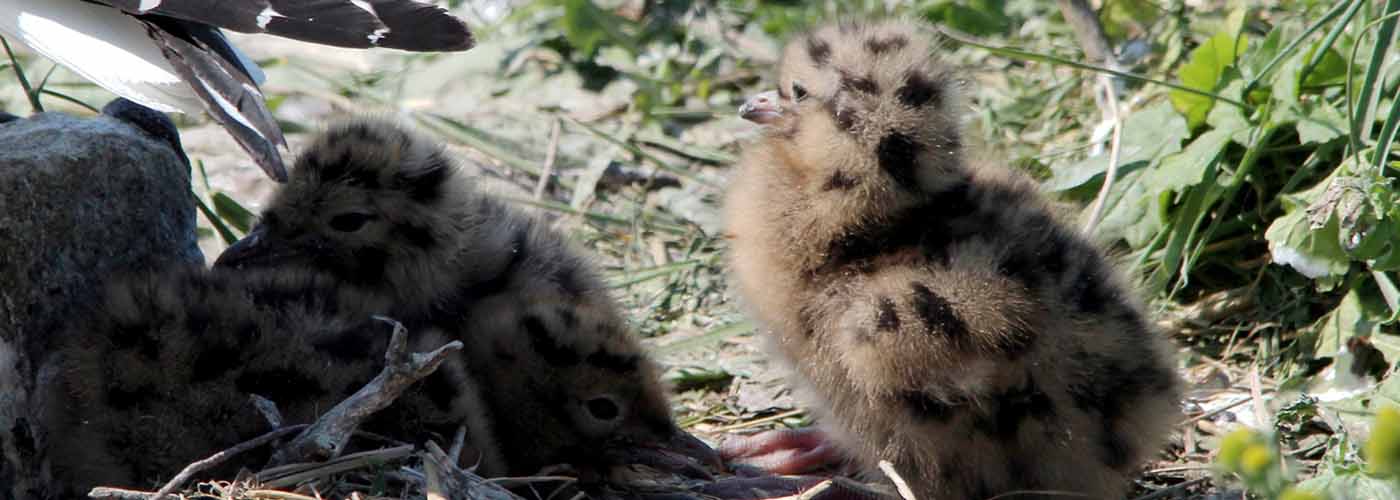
[
  {"x": 191, "y": 469},
  {"x": 292, "y": 474},
  {"x": 899, "y": 484},
  {"x": 1111, "y": 98},
  {"x": 549, "y": 157},
  {"x": 456, "y": 483},
  {"x": 327, "y": 437}
]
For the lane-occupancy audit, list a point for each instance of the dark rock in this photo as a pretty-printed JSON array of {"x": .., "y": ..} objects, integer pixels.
[{"x": 81, "y": 200}]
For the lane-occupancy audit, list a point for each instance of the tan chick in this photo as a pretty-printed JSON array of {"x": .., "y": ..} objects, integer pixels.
[
  {"x": 374, "y": 221},
  {"x": 942, "y": 317}
]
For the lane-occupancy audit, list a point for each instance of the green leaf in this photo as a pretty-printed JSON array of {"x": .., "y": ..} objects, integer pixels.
[
  {"x": 1121, "y": 17},
  {"x": 1205, "y": 71},
  {"x": 1187, "y": 168},
  {"x": 1148, "y": 134},
  {"x": 1346, "y": 321},
  {"x": 977, "y": 17},
  {"x": 1318, "y": 122},
  {"x": 1331, "y": 69},
  {"x": 1130, "y": 212},
  {"x": 1351, "y": 485},
  {"x": 232, "y": 212},
  {"x": 1253, "y": 63},
  {"x": 588, "y": 27},
  {"x": 1312, "y": 251}
]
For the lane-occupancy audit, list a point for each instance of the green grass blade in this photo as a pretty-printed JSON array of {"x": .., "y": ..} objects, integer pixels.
[
  {"x": 1288, "y": 50},
  {"x": 23, "y": 82},
  {"x": 1329, "y": 40},
  {"x": 485, "y": 142},
  {"x": 700, "y": 341},
  {"x": 71, "y": 99},
  {"x": 697, "y": 152},
  {"x": 1032, "y": 56},
  {"x": 1387, "y": 139},
  {"x": 598, "y": 217},
  {"x": 632, "y": 148},
  {"x": 1362, "y": 119},
  {"x": 225, "y": 233},
  {"x": 635, "y": 276}
]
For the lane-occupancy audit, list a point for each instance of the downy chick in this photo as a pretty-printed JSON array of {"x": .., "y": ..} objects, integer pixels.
[
  {"x": 940, "y": 314},
  {"x": 374, "y": 220}
]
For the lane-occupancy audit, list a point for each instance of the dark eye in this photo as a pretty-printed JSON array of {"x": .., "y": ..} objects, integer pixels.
[
  {"x": 351, "y": 222},
  {"x": 798, "y": 91},
  {"x": 603, "y": 408}
]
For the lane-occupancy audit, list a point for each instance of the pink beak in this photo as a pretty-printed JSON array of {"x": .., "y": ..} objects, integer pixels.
[{"x": 762, "y": 108}]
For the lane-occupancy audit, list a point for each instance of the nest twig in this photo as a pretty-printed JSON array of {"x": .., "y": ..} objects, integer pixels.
[
  {"x": 325, "y": 438},
  {"x": 446, "y": 481},
  {"x": 194, "y": 468}
]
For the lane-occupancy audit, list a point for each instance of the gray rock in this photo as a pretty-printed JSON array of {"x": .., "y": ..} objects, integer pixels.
[{"x": 80, "y": 200}]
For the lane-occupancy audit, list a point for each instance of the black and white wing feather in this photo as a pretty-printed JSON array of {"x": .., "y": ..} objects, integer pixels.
[
  {"x": 395, "y": 24},
  {"x": 169, "y": 55},
  {"x": 204, "y": 59}
]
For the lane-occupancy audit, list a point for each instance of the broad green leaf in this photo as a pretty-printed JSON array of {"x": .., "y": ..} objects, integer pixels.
[
  {"x": 588, "y": 27},
  {"x": 1285, "y": 80},
  {"x": 1205, "y": 71},
  {"x": 1355, "y": 485},
  {"x": 1230, "y": 118},
  {"x": 975, "y": 17},
  {"x": 1129, "y": 213},
  {"x": 1148, "y": 134},
  {"x": 1348, "y": 320},
  {"x": 1312, "y": 251},
  {"x": 1187, "y": 167},
  {"x": 1318, "y": 122},
  {"x": 1119, "y": 17},
  {"x": 1330, "y": 69},
  {"x": 1257, "y": 59}
]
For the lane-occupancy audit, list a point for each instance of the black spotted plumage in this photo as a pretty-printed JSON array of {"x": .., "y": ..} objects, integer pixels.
[
  {"x": 374, "y": 222},
  {"x": 896, "y": 273}
]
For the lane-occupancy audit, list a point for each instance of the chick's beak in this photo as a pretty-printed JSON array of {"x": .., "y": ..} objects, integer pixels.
[
  {"x": 762, "y": 108},
  {"x": 682, "y": 454},
  {"x": 253, "y": 248}
]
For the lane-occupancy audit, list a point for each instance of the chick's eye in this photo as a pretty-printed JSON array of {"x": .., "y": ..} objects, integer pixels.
[
  {"x": 603, "y": 408},
  {"x": 350, "y": 222},
  {"x": 798, "y": 91}
]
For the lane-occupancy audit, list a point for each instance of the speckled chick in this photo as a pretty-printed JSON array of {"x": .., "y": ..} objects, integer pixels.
[
  {"x": 374, "y": 220},
  {"x": 940, "y": 314}
]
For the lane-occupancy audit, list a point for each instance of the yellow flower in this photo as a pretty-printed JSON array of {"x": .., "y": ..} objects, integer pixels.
[
  {"x": 1233, "y": 446},
  {"x": 1296, "y": 494},
  {"x": 1256, "y": 460},
  {"x": 1383, "y": 449}
]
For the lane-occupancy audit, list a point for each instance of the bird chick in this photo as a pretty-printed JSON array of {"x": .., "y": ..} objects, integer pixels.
[
  {"x": 560, "y": 376},
  {"x": 374, "y": 220},
  {"x": 943, "y": 318}
]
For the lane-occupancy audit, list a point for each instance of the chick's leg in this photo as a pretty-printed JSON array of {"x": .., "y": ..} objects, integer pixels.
[{"x": 795, "y": 451}]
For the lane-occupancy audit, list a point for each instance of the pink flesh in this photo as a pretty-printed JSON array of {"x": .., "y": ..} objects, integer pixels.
[{"x": 783, "y": 452}]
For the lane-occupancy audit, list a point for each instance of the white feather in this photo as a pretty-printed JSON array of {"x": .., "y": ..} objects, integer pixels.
[{"x": 102, "y": 44}]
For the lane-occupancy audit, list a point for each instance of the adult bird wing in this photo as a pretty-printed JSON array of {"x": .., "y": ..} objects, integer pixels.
[
  {"x": 165, "y": 64},
  {"x": 216, "y": 72},
  {"x": 395, "y": 24},
  {"x": 102, "y": 45}
]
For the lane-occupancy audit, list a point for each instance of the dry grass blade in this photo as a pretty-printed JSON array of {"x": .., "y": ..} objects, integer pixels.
[
  {"x": 191, "y": 469},
  {"x": 327, "y": 437},
  {"x": 550, "y": 155},
  {"x": 899, "y": 483},
  {"x": 292, "y": 474},
  {"x": 460, "y": 484}
]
